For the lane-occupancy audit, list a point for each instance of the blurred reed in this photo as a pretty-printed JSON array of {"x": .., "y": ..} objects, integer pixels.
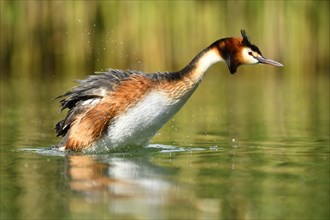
[{"x": 74, "y": 38}]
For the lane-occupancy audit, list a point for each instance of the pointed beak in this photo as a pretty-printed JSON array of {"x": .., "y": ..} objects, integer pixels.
[{"x": 268, "y": 61}]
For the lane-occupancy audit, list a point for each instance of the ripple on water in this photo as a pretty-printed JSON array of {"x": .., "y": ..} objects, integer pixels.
[{"x": 154, "y": 148}]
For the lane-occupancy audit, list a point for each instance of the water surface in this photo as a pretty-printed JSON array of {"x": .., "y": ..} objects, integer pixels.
[{"x": 212, "y": 160}]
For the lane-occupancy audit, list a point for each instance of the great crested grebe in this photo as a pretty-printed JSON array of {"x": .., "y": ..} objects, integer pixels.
[{"x": 123, "y": 108}]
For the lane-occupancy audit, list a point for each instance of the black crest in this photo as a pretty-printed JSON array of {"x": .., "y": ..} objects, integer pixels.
[{"x": 246, "y": 42}]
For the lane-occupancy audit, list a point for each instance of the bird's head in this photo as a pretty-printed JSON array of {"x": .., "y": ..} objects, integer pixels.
[{"x": 239, "y": 51}]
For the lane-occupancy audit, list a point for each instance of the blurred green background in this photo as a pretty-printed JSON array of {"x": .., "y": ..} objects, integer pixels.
[{"x": 61, "y": 38}]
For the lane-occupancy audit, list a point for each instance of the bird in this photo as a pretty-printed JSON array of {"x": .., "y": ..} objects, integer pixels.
[{"x": 118, "y": 108}]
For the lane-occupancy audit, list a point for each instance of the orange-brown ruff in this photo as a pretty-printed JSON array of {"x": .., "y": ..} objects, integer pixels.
[{"x": 120, "y": 108}]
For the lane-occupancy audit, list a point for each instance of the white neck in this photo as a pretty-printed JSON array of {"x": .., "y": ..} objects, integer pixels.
[
  {"x": 209, "y": 58},
  {"x": 204, "y": 61}
]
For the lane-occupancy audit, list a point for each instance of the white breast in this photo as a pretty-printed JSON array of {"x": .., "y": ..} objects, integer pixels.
[{"x": 138, "y": 124}]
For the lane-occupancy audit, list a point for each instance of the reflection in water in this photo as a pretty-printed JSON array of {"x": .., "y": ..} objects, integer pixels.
[
  {"x": 240, "y": 180},
  {"x": 129, "y": 187}
]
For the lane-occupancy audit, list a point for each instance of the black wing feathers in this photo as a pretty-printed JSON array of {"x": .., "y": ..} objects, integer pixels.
[{"x": 92, "y": 88}]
